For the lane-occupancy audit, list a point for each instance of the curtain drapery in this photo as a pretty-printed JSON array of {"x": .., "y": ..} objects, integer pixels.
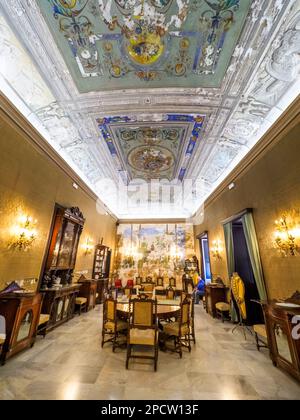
[
  {"x": 252, "y": 245},
  {"x": 230, "y": 260}
]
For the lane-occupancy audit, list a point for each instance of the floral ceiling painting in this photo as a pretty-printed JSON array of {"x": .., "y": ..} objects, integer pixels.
[
  {"x": 154, "y": 150},
  {"x": 153, "y": 250},
  {"x": 130, "y": 44}
]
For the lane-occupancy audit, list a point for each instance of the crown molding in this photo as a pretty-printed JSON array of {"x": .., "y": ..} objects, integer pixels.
[
  {"x": 287, "y": 121},
  {"x": 10, "y": 114}
]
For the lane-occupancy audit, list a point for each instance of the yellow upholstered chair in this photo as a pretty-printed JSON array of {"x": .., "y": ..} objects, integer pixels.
[
  {"x": 148, "y": 287},
  {"x": 172, "y": 282},
  {"x": 42, "y": 325},
  {"x": 81, "y": 304},
  {"x": 127, "y": 292},
  {"x": 159, "y": 283},
  {"x": 223, "y": 309},
  {"x": 180, "y": 330},
  {"x": 261, "y": 336},
  {"x": 112, "y": 326},
  {"x": 143, "y": 328},
  {"x": 170, "y": 293}
]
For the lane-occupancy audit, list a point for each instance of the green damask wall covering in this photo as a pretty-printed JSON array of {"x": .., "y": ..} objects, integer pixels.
[{"x": 153, "y": 250}]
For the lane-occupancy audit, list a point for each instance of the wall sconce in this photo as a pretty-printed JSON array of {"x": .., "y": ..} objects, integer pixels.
[
  {"x": 24, "y": 234},
  {"x": 287, "y": 233},
  {"x": 88, "y": 247},
  {"x": 216, "y": 249}
]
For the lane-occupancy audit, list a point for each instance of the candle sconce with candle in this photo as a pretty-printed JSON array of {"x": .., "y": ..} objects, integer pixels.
[
  {"x": 24, "y": 234},
  {"x": 216, "y": 249},
  {"x": 287, "y": 233}
]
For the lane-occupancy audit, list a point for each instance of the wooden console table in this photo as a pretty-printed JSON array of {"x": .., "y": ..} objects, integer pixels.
[
  {"x": 214, "y": 293},
  {"x": 59, "y": 304},
  {"x": 22, "y": 314}
]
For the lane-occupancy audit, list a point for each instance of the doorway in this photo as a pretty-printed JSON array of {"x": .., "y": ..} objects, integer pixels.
[
  {"x": 242, "y": 265},
  {"x": 205, "y": 258}
]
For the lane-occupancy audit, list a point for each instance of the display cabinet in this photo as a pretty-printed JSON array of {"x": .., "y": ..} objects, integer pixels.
[
  {"x": 102, "y": 262},
  {"x": 22, "y": 313},
  {"x": 62, "y": 249},
  {"x": 60, "y": 305},
  {"x": 282, "y": 319}
]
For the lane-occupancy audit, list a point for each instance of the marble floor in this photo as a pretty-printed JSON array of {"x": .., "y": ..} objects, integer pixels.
[{"x": 70, "y": 364}]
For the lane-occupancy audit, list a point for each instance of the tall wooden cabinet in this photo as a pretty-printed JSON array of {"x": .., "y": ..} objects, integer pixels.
[
  {"x": 56, "y": 281},
  {"x": 101, "y": 270},
  {"x": 21, "y": 312},
  {"x": 62, "y": 250},
  {"x": 102, "y": 262}
]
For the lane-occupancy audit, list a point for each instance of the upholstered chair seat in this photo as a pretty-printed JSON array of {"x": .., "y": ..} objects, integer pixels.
[
  {"x": 81, "y": 301},
  {"x": 173, "y": 329},
  {"x": 44, "y": 318},
  {"x": 260, "y": 329},
  {"x": 223, "y": 307},
  {"x": 159, "y": 288},
  {"x": 120, "y": 326},
  {"x": 142, "y": 337},
  {"x": 261, "y": 336}
]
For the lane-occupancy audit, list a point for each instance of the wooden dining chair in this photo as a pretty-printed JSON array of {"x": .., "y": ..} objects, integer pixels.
[
  {"x": 170, "y": 293},
  {"x": 143, "y": 328},
  {"x": 179, "y": 331},
  {"x": 172, "y": 282},
  {"x": 112, "y": 326}
]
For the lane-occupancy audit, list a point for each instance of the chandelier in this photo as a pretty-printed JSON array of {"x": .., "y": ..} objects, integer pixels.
[{"x": 144, "y": 24}]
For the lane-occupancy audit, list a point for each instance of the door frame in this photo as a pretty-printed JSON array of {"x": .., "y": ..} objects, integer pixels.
[{"x": 203, "y": 235}]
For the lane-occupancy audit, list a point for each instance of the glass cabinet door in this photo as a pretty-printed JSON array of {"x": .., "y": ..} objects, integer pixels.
[
  {"x": 66, "y": 248},
  {"x": 282, "y": 343},
  {"x": 25, "y": 326},
  {"x": 59, "y": 310}
]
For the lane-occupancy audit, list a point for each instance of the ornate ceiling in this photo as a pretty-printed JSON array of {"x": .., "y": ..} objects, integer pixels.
[
  {"x": 177, "y": 90},
  {"x": 133, "y": 44}
]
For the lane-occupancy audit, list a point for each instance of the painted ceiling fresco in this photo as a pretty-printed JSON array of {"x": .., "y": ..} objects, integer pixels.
[
  {"x": 208, "y": 78},
  {"x": 110, "y": 44},
  {"x": 161, "y": 150}
]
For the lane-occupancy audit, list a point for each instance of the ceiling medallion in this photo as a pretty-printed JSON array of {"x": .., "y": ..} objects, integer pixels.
[{"x": 152, "y": 160}]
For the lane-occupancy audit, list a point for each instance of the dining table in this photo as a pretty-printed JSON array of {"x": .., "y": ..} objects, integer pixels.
[{"x": 166, "y": 309}]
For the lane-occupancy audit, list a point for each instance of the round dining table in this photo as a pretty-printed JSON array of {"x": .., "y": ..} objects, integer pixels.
[{"x": 163, "y": 311}]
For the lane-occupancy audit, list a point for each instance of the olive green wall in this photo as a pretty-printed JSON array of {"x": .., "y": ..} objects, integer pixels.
[
  {"x": 271, "y": 186},
  {"x": 31, "y": 184}
]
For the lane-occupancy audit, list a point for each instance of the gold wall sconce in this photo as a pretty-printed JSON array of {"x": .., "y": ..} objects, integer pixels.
[
  {"x": 216, "y": 249},
  {"x": 287, "y": 233},
  {"x": 24, "y": 234},
  {"x": 88, "y": 247}
]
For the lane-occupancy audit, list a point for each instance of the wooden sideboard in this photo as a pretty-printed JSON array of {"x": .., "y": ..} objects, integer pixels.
[
  {"x": 214, "y": 294},
  {"x": 284, "y": 349},
  {"x": 88, "y": 290},
  {"x": 22, "y": 314},
  {"x": 60, "y": 305}
]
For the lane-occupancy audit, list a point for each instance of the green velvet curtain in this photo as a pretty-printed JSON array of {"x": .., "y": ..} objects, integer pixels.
[
  {"x": 230, "y": 261},
  {"x": 252, "y": 244}
]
